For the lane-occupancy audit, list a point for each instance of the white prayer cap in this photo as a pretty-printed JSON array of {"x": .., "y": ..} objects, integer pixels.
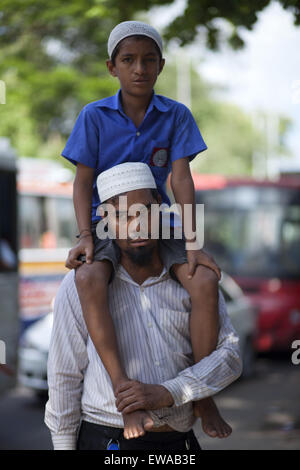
[
  {"x": 130, "y": 28},
  {"x": 123, "y": 178}
]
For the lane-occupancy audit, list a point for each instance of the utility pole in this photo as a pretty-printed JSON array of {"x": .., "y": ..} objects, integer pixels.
[{"x": 183, "y": 67}]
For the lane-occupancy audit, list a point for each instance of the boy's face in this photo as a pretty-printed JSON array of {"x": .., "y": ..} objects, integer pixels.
[{"x": 137, "y": 66}]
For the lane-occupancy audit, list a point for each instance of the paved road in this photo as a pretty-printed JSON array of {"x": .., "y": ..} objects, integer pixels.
[{"x": 264, "y": 413}]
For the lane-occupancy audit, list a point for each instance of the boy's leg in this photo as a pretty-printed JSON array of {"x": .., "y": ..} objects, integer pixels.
[
  {"x": 92, "y": 285},
  {"x": 204, "y": 328},
  {"x": 204, "y": 320}
]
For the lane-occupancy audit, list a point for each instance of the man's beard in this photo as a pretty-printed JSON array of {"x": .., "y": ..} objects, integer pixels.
[{"x": 141, "y": 255}]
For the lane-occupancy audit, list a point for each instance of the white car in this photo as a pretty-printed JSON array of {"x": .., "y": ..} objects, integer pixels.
[{"x": 34, "y": 347}]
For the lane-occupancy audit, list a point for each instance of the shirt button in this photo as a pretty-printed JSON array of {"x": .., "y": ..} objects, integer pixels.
[
  {"x": 138, "y": 134},
  {"x": 157, "y": 363},
  {"x": 150, "y": 325}
]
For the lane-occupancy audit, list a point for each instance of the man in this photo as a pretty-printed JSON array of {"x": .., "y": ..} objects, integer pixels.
[{"x": 151, "y": 313}]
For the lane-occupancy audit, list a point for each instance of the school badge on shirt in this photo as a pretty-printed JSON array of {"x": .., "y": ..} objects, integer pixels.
[{"x": 159, "y": 157}]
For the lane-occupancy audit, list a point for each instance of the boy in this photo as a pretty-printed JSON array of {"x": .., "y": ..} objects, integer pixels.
[{"x": 137, "y": 125}]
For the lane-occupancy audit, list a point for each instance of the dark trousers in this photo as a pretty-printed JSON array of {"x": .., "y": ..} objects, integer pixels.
[{"x": 97, "y": 437}]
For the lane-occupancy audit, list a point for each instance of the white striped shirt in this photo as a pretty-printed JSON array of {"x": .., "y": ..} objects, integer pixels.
[{"x": 152, "y": 326}]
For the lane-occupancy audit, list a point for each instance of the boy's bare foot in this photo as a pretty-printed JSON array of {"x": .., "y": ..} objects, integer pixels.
[
  {"x": 136, "y": 423},
  {"x": 212, "y": 422}
]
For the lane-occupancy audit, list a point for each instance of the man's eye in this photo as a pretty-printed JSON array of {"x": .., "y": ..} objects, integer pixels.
[{"x": 127, "y": 59}]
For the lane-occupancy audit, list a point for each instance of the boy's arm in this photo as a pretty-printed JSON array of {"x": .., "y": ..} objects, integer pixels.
[
  {"x": 184, "y": 192},
  {"x": 82, "y": 198}
]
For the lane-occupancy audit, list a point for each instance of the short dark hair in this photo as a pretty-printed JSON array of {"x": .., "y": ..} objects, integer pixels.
[{"x": 137, "y": 37}]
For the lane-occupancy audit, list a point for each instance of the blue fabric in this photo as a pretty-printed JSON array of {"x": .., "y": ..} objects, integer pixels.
[{"x": 103, "y": 136}]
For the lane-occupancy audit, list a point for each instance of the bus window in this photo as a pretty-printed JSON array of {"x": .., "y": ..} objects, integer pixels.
[
  {"x": 253, "y": 231},
  {"x": 8, "y": 239},
  {"x": 31, "y": 221},
  {"x": 46, "y": 222},
  {"x": 61, "y": 220},
  {"x": 290, "y": 234}
]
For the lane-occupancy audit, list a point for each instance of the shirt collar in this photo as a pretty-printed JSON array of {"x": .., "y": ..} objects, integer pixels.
[
  {"x": 114, "y": 102},
  {"x": 123, "y": 274}
]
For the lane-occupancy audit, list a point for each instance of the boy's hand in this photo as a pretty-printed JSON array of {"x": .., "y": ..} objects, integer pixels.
[
  {"x": 85, "y": 246},
  {"x": 196, "y": 257}
]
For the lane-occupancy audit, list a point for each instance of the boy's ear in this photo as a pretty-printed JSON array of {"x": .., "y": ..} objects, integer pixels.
[
  {"x": 111, "y": 68},
  {"x": 161, "y": 65}
]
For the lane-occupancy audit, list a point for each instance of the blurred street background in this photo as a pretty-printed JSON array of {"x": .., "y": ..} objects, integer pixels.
[
  {"x": 264, "y": 413},
  {"x": 236, "y": 67}
]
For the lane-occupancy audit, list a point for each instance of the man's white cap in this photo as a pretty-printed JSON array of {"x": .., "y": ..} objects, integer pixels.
[
  {"x": 123, "y": 178},
  {"x": 130, "y": 28}
]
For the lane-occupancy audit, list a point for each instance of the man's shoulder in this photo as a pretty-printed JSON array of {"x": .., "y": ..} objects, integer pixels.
[{"x": 68, "y": 286}]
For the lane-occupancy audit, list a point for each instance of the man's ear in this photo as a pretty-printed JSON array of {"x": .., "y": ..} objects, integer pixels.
[
  {"x": 111, "y": 68},
  {"x": 159, "y": 199},
  {"x": 101, "y": 211}
]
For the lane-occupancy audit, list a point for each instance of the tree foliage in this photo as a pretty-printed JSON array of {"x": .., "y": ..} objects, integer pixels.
[
  {"x": 205, "y": 13},
  {"x": 53, "y": 57},
  {"x": 227, "y": 131}
]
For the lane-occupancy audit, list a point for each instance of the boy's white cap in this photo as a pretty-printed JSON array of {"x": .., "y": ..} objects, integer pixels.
[
  {"x": 130, "y": 28},
  {"x": 123, "y": 178}
]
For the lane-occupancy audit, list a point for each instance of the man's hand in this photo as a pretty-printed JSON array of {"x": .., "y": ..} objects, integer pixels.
[
  {"x": 85, "y": 246},
  {"x": 196, "y": 257},
  {"x": 134, "y": 395}
]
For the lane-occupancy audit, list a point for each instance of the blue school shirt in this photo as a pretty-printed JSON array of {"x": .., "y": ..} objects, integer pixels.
[{"x": 103, "y": 136}]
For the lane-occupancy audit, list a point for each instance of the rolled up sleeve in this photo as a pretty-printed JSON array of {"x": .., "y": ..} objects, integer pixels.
[
  {"x": 214, "y": 372},
  {"x": 67, "y": 362}
]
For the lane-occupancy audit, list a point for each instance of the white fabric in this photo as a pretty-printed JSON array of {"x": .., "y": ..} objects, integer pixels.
[
  {"x": 130, "y": 28},
  {"x": 152, "y": 327},
  {"x": 123, "y": 178}
]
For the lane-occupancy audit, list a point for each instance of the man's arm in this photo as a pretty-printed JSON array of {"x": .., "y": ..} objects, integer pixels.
[
  {"x": 66, "y": 364},
  {"x": 206, "y": 378},
  {"x": 214, "y": 372}
]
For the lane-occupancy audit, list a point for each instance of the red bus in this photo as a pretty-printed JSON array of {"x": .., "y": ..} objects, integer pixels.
[{"x": 252, "y": 228}]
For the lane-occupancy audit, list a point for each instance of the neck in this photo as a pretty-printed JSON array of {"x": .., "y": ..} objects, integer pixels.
[
  {"x": 135, "y": 107},
  {"x": 140, "y": 273}
]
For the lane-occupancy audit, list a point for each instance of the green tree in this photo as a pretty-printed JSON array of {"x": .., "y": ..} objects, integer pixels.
[
  {"x": 227, "y": 131},
  {"x": 53, "y": 58},
  {"x": 202, "y": 14}
]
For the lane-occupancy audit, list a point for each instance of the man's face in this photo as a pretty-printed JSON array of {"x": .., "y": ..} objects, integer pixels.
[
  {"x": 137, "y": 66},
  {"x": 137, "y": 248}
]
